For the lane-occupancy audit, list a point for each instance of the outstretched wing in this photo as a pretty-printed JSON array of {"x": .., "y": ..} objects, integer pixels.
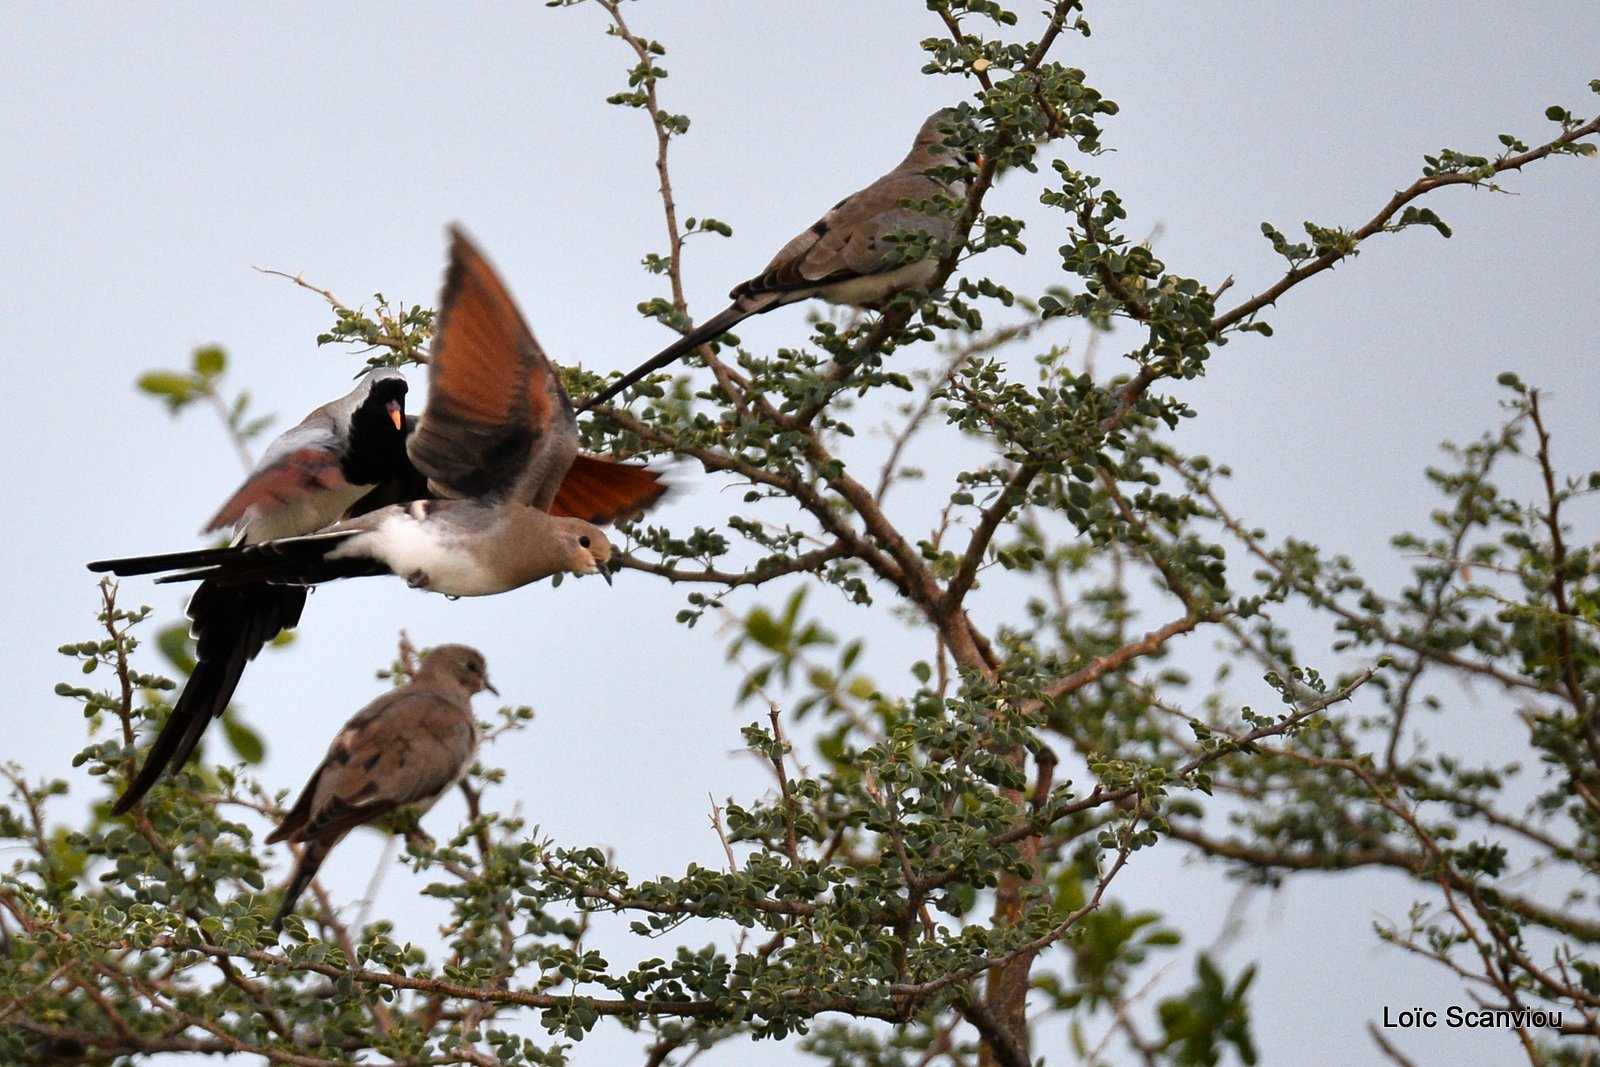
[
  {"x": 303, "y": 474},
  {"x": 311, "y": 473},
  {"x": 498, "y": 425}
]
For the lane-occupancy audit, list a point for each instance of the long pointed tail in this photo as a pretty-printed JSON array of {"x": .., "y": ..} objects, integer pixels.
[
  {"x": 288, "y": 560},
  {"x": 709, "y": 330},
  {"x": 310, "y": 861},
  {"x": 231, "y": 624},
  {"x": 128, "y": 566}
]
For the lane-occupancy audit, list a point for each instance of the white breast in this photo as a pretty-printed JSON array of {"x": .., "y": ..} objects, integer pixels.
[{"x": 432, "y": 555}]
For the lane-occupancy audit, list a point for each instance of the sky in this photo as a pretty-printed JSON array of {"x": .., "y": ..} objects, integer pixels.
[{"x": 156, "y": 155}]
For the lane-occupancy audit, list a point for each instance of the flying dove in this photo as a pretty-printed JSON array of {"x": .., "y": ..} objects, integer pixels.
[
  {"x": 845, "y": 257},
  {"x": 405, "y": 749},
  {"x": 504, "y": 500}
]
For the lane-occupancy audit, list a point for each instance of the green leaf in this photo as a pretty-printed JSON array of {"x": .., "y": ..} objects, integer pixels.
[
  {"x": 210, "y": 361},
  {"x": 176, "y": 644},
  {"x": 168, "y": 384},
  {"x": 243, "y": 740},
  {"x": 764, "y": 630},
  {"x": 1421, "y": 216}
]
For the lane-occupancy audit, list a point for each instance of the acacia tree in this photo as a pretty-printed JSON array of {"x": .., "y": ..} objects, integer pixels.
[{"x": 937, "y": 878}]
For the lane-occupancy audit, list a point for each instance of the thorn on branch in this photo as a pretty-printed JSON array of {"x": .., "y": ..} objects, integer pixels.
[{"x": 716, "y": 824}]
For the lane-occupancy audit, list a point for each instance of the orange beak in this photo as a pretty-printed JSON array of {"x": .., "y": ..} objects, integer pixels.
[{"x": 396, "y": 416}]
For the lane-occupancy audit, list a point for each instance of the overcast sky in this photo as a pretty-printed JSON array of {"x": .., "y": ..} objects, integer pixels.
[{"x": 155, "y": 154}]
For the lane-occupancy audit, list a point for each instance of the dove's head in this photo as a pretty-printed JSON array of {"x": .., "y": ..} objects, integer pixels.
[
  {"x": 946, "y": 132},
  {"x": 381, "y": 397},
  {"x": 583, "y": 548},
  {"x": 461, "y": 664},
  {"x": 375, "y": 426}
]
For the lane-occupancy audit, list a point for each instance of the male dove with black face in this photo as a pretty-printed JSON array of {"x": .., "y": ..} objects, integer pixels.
[
  {"x": 846, "y": 256},
  {"x": 312, "y": 474},
  {"x": 404, "y": 750},
  {"x": 307, "y": 478},
  {"x": 494, "y": 451}
]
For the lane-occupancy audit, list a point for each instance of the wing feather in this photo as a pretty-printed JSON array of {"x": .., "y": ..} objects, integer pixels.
[
  {"x": 599, "y": 490},
  {"x": 849, "y": 240},
  {"x": 294, "y": 478},
  {"x": 498, "y": 424}
]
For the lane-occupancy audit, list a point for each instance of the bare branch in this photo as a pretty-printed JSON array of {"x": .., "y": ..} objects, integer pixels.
[{"x": 299, "y": 279}]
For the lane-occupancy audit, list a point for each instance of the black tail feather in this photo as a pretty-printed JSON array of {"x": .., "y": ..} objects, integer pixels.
[
  {"x": 129, "y": 566},
  {"x": 282, "y": 560},
  {"x": 305, "y": 870},
  {"x": 286, "y": 561},
  {"x": 231, "y": 624},
  {"x": 709, "y": 330}
]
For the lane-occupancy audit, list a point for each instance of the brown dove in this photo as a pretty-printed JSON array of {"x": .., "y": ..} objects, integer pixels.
[
  {"x": 845, "y": 257},
  {"x": 406, "y": 749}
]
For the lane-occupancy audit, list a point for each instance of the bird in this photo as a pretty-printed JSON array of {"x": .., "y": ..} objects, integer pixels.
[
  {"x": 406, "y": 749},
  {"x": 489, "y": 494},
  {"x": 845, "y": 257},
  {"x": 308, "y": 477}
]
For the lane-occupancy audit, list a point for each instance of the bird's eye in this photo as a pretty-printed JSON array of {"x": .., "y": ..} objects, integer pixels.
[{"x": 584, "y": 540}]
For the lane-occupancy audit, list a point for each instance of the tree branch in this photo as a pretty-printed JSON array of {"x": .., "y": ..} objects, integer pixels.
[{"x": 1378, "y": 222}]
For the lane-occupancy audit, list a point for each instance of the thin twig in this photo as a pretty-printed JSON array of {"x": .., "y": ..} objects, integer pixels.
[{"x": 300, "y": 280}]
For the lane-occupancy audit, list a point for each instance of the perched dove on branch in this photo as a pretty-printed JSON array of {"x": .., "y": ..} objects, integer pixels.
[
  {"x": 847, "y": 256},
  {"x": 404, "y": 750},
  {"x": 504, "y": 500}
]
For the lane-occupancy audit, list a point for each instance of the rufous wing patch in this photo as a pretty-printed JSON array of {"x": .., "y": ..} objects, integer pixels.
[
  {"x": 290, "y": 480},
  {"x": 476, "y": 361},
  {"x": 492, "y": 392},
  {"x": 599, "y": 490}
]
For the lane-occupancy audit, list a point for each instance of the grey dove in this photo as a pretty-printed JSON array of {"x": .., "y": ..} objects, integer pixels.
[
  {"x": 406, "y": 749},
  {"x": 846, "y": 256}
]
